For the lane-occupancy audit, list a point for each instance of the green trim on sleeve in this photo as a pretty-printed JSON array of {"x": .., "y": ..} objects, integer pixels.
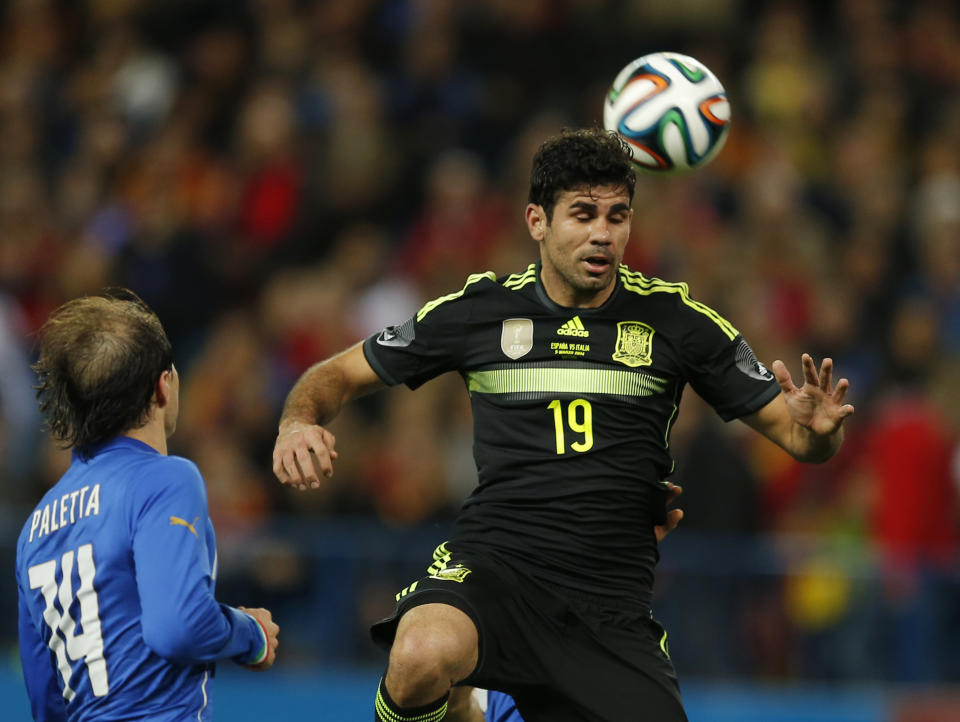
[
  {"x": 638, "y": 283},
  {"x": 472, "y": 278}
]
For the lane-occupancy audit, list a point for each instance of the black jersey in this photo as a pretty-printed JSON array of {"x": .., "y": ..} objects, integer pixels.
[{"x": 572, "y": 411}]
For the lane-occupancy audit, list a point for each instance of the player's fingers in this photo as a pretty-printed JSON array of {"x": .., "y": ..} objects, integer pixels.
[
  {"x": 308, "y": 471},
  {"x": 284, "y": 464},
  {"x": 673, "y": 519},
  {"x": 841, "y": 391},
  {"x": 289, "y": 463},
  {"x": 782, "y": 374},
  {"x": 282, "y": 468},
  {"x": 330, "y": 442},
  {"x": 674, "y": 490},
  {"x": 826, "y": 375},
  {"x": 674, "y": 516},
  {"x": 278, "y": 470},
  {"x": 265, "y": 616},
  {"x": 323, "y": 457},
  {"x": 809, "y": 370},
  {"x": 321, "y": 443},
  {"x": 288, "y": 453}
]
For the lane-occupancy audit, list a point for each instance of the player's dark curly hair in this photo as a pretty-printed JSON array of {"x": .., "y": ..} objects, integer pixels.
[
  {"x": 579, "y": 159},
  {"x": 99, "y": 361}
]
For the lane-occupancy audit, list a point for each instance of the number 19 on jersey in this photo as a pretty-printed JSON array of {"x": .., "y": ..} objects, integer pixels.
[{"x": 578, "y": 419}]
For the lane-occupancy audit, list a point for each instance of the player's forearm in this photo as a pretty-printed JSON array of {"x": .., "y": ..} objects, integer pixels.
[
  {"x": 317, "y": 396},
  {"x": 324, "y": 388},
  {"x": 200, "y": 630}
]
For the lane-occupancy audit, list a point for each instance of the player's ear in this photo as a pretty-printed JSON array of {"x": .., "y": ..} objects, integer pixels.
[
  {"x": 536, "y": 221},
  {"x": 162, "y": 389}
]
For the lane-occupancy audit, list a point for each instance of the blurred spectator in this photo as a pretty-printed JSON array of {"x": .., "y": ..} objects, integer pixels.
[
  {"x": 19, "y": 418},
  {"x": 459, "y": 225}
]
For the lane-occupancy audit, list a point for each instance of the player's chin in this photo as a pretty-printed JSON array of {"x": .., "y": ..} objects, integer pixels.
[{"x": 597, "y": 278}]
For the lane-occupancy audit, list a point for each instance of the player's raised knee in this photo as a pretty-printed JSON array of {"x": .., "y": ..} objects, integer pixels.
[{"x": 424, "y": 653}]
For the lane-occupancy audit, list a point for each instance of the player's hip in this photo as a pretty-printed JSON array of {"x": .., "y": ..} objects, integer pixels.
[{"x": 590, "y": 656}]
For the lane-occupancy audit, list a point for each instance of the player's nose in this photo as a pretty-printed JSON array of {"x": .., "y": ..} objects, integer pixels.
[{"x": 600, "y": 231}]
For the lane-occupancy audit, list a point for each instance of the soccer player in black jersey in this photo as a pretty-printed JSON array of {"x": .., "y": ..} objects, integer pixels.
[{"x": 575, "y": 367}]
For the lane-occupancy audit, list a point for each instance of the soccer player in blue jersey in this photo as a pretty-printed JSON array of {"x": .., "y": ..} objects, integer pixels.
[{"x": 116, "y": 565}]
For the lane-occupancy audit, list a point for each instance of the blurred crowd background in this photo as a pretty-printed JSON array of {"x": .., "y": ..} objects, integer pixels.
[{"x": 281, "y": 178}]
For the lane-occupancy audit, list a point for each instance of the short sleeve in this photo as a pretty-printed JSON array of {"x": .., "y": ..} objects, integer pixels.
[
  {"x": 722, "y": 368},
  {"x": 428, "y": 344}
]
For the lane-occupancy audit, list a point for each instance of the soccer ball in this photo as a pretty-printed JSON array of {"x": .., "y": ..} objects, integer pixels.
[{"x": 671, "y": 110}]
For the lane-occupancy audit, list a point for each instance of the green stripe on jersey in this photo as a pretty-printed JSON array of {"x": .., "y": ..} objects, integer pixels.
[
  {"x": 517, "y": 281},
  {"x": 472, "y": 278},
  {"x": 638, "y": 283},
  {"x": 556, "y": 380}
]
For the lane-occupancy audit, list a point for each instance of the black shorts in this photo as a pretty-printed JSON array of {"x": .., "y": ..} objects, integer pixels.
[{"x": 563, "y": 657}]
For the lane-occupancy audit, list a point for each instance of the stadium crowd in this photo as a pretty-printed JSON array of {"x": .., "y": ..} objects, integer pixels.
[{"x": 279, "y": 178}]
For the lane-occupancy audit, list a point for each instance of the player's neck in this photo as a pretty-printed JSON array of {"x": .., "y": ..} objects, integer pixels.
[
  {"x": 564, "y": 295},
  {"x": 152, "y": 434}
]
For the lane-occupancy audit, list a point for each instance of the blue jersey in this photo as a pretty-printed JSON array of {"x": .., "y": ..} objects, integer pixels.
[
  {"x": 501, "y": 708},
  {"x": 115, "y": 572}
]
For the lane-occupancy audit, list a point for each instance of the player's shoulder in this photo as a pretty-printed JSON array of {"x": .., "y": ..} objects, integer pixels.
[
  {"x": 518, "y": 281},
  {"x": 178, "y": 465},
  {"x": 483, "y": 287},
  {"x": 169, "y": 472},
  {"x": 638, "y": 285},
  {"x": 673, "y": 301}
]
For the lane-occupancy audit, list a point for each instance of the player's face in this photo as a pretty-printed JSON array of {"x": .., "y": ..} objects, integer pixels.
[{"x": 582, "y": 245}]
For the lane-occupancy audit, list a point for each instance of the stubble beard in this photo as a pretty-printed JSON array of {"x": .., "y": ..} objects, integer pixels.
[{"x": 584, "y": 285}]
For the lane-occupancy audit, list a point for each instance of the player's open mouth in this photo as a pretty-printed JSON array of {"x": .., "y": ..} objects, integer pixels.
[{"x": 597, "y": 264}]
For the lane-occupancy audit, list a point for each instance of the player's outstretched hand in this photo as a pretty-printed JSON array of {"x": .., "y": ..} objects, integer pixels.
[
  {"x": 303, "y": 453},
  {"x": 817, "y": 404},
  {"x": 266, "y": 620},
  {"x": 673, "y": 515}
]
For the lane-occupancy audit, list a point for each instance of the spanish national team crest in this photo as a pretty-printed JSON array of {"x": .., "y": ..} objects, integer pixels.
[
  {"x": 516, "y": 339},
  {"x": 634, "y": 344}
]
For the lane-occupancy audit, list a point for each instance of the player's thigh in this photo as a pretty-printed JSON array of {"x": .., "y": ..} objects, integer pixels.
[{"x": 436, "y": 634}]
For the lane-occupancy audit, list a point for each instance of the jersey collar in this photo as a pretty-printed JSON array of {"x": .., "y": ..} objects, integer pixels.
[{"x": 117, "y": 442}]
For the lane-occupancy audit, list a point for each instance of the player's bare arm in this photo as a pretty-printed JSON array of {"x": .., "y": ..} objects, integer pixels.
[
  {"x": 807, "y": 420},
  {"x": 305, "y": 450}
]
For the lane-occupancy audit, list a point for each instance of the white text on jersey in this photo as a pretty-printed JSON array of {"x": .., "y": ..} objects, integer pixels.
[{"x": 68, "y": 509}]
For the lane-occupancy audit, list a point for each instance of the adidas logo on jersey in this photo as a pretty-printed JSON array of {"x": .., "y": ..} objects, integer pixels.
[{"x": 573, "y": 327}]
